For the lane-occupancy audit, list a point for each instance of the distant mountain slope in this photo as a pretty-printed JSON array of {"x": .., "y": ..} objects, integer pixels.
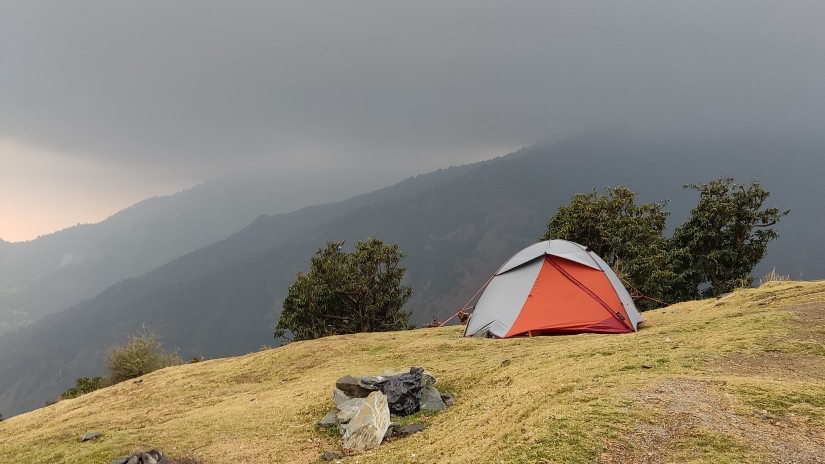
[
  {"x": 735, "y": 380},
  {"x": 58, "y": 270},
  {"x": 225, "y": 299}
]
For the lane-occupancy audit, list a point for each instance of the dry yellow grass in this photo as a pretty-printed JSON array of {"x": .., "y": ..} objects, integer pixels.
[{"x": 718, "y": 389}]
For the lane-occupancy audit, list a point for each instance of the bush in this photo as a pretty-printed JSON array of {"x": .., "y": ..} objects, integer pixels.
[
  {"x": 82, "y": 386},
  {"x": 140, "y": 355},
  {"x": 345, "y": 293}
]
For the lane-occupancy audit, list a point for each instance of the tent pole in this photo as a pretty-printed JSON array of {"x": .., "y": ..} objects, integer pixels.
[{"x": 466, "y": 304}]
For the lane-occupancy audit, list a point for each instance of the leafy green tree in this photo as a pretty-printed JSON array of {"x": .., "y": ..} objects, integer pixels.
[
  {"x": 628, "y": 236},
  {"x": 82, "y": 386},
  {"x": 725, "y": 237},
  {"x": 343, "y": 293},
  {"x": 142, "y": 354}
]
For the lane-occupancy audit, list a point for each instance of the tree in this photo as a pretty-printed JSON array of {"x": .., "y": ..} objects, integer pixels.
[
  {"x": 629, "y": 237},
  {"x": 726, "y": 236},
  {"x": 142, "y": 354},
  {"x": 346, "y": 293}
]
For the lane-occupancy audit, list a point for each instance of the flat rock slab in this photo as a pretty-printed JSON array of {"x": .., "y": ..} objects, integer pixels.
[
  {"x": 338, "y": 397},
  {"x": 331, "y": 455},
  {"x": 348, "y": 409},
  {"x": 90, "y": 436},
  {"x": 330, "y": 419},
  {"x": 431, "y": 399},
  {"x": 352, "y": 387},
  {"x": 369, "y": 426},
  {"x": 409, "y": 429}
]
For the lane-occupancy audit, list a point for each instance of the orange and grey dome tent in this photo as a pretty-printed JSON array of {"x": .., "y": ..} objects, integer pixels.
[{"x": 553, "y": 287}]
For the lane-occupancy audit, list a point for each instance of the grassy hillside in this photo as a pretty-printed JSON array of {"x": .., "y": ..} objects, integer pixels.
[
  {"x": 736, "y": 379},
  {"x": 456, "y": 226}
]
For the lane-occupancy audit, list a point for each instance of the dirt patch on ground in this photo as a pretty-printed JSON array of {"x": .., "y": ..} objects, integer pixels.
[
  {"x": 690, "y": 408},
  {"x": 790, "y": 366},
  {"x": 807, "y": 327},
  {"x": 809, "y": 321}
]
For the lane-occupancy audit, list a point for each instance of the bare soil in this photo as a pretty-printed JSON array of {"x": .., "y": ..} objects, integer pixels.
[{"x": 687, "y": 407}]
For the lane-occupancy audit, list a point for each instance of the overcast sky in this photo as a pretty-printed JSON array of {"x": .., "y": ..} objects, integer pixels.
[{"x": 104, "y": 103}]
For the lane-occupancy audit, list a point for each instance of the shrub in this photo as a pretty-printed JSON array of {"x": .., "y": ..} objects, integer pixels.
[
  {"x": 140, "y": 355},
  {"x": 82, "y": 386},
  {"x": 343, "y": 293}
]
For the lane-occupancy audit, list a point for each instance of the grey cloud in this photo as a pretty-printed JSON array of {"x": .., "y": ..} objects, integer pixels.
[{"x": 219, "y": 83}]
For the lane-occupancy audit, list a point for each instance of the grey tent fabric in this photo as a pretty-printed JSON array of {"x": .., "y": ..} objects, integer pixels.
[{"x": 505, "y": 290}]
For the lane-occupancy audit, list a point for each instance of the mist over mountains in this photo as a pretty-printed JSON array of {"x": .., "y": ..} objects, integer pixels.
[
  {"x": 456, "y": 226},
  {"x": 58, "y": 270}
]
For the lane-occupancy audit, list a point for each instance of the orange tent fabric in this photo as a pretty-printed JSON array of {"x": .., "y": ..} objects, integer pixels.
[{"x": 553, "y": 287}]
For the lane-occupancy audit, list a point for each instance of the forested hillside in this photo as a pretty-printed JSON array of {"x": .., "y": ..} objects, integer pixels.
[{"x": 455, "y": 226}]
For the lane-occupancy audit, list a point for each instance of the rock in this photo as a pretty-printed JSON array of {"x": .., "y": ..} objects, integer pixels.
[
  {"x": 427, "y": 379},
  {"x": 330, "y": 419},
  {"x": 409, "y": 429},
  {"x": 647, "y": 366},
  {"x": 391, "y": 428},
  {"x": 367, "y": 429},
  {"x": 149, "y": 457},
  {"x": 349, "y": 409},
  {"x": 369, "y": 382},
  {"x": 431, "y": 399},
  {"x": 331, "y": 455},
  {"x": 352, "y": 387},
  {"x": 448, "y": 399},
  {"x": 90, "y": 436},
  {"x": 339, "y": 397}
]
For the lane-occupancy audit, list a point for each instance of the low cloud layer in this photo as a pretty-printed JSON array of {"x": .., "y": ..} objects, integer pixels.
[{"x": 207, "y": 87}]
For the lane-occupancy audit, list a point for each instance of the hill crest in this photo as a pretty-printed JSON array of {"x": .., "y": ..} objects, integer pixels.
[{"x": 736, "y": 379}]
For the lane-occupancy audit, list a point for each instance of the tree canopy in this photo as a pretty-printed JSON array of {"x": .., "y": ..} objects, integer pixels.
[
  {"x": 347, "y": 292},
  {"x": 726, "y": 236},
  {"x": 628, "y": 236},
  {"x": 715, "y": 250}
]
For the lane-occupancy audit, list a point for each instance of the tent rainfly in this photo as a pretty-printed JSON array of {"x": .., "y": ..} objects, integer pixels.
[{"x": 553, "y": 287}]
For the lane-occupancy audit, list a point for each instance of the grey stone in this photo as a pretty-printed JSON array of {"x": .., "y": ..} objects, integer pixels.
[
  {"x": 90, "y": 436},
  {"x": 352, "y": 387},
  {"x": 409, "y": 429},
  {"x": 427, "y": 379},
  {"x": 339, "y": 397},
  {"x": 368, "y": 381},
  {"x": 332, "y": 455},
  {"x": 367, "y": 429},
  {"x": 149, "y": 457},
  {"x": 448, "y": 399},
  {"x": 330, "y": 419},
  {"x": 348, "y": 409},
  {"x": 431, "y": 399},
  {"x": 391, "y": 428}
]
